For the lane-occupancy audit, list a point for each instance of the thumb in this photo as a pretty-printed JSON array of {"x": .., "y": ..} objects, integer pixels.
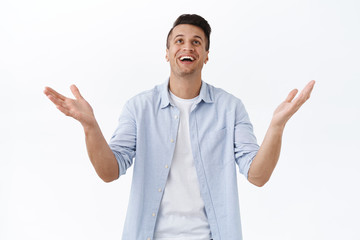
[
  {"x": 291, "y": 95},
  {"x": 75, "y": 91}
]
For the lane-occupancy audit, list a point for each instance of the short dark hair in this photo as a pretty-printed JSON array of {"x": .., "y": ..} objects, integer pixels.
[{"x": 192, "y": 19}]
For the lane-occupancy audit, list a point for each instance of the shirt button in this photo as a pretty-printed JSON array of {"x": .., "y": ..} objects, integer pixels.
[
  {"x": 153, "y": 214},
  {"x": 176, "y": 117},
  {"x": 172, "y": 140},
  {"x": 166, "y": 166},
  {"x": 148, "y": 239},
  {"x": 159, "y": 189}
]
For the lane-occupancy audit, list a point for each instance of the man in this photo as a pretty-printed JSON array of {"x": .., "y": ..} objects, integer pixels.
[{"x": 187, "y": 136}]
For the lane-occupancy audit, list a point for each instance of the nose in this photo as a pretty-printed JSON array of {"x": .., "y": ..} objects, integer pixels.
[{"x": 188, "y": 46}]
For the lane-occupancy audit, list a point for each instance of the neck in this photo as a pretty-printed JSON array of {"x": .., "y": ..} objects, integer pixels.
[{"x": 185, "y": 87}]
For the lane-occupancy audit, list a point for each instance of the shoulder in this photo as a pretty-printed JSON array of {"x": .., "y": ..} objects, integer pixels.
[
  {"x": 221, "y": 96},
  {"x": 146, "y": 95},
  {"x": 145, "y": 98}
]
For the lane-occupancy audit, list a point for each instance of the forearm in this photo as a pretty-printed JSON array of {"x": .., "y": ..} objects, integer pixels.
[
  {"x": 100, "y": 154},
  {"x": 267, "y": 157},
  {"x": 265, "y": 161}
]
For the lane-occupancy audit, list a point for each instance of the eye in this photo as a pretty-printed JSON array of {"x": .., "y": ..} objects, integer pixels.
[
  {"x": 179, "y": 41},
  {"x": 196, "y": 42}
]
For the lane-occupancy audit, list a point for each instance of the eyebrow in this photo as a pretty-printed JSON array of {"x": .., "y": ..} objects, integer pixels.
[{"x": 181, "y": 35}]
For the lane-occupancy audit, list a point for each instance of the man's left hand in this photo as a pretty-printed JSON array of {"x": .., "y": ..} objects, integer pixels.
[{"x": 290, "y": 106}]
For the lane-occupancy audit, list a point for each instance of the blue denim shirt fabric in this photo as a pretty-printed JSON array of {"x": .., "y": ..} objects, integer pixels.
[{"x": 221, "y": 135}]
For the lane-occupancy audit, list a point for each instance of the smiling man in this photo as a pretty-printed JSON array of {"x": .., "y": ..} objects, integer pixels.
[{"x": 188, "y": 137}]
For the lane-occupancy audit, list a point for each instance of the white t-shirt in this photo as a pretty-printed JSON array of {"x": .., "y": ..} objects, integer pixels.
[{"x": 182, "y": 214}]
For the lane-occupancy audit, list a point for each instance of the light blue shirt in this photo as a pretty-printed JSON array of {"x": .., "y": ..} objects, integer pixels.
[{"x": 221, "y": 135}]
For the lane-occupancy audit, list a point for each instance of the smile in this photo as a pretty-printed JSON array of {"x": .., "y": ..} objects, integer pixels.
[{"x": 187, "y": 59}]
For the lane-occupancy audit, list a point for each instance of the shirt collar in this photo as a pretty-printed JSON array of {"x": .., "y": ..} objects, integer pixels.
[{"x": 206, "y": 94}]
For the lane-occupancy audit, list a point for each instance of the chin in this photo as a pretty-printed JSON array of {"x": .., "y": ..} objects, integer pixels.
[{"x": 186, "y": 73}]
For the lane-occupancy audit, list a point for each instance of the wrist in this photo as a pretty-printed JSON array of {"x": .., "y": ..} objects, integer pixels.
[
  {"x": 90, "y": 125},
  {"x": 277, "y": 127}
]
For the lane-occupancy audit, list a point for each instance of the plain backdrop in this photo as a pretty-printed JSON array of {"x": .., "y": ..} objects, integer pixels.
[{"x": 260, "y": 50}]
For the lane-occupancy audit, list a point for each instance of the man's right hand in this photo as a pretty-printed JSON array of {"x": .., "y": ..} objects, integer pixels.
[
  {"x": 77, "y": 108},
  {"x": 100, "y": 154}
]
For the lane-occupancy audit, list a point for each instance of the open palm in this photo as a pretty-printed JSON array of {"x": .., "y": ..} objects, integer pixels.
[
  {"x": 77, "y": 108},
  {"x": 290, "y": 106}
]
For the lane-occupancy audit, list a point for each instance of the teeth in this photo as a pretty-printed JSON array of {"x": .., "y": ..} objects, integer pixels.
[{"x": 187, "y": 57}]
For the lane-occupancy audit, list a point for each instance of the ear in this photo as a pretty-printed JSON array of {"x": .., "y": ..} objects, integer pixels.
[
  {"x": 207, "y": 57},
  {"x": 167, "y": 55}
]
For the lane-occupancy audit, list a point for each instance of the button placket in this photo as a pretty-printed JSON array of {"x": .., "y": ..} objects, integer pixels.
[{"x": 175, "y": 113}]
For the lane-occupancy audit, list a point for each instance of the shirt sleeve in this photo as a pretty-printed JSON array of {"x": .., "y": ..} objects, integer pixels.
[
  {"x": 123, "y": 141},
  {"x": 245, "y": 143}
]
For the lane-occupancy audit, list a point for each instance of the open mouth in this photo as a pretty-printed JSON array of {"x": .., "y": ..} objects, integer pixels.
[{"x": 187, "y": 59}]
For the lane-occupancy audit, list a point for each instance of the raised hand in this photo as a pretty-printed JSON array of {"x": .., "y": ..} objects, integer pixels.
[
  {"x": 265, "y": 160},
  {"x": 77, "y": 108},
  {"x": 290, "y": 106}
]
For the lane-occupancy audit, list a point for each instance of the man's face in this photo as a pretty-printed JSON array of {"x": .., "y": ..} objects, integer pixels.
[{"x": 186, "y": 52}]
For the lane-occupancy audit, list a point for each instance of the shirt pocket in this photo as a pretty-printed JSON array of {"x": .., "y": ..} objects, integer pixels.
[{"x": 217, "y": 146}]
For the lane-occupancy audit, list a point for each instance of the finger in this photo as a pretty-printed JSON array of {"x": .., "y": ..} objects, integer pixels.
[
  {"x": 308, "y": 89},
  {"x": 304, "y": 94},
  {"x": 56, "y": 101},
  {"x": 75, "y": 91},
  {"x": 49, "y": 91},
  {"x": 291, "y": 95},
  {"x": 63, "y": 110}
]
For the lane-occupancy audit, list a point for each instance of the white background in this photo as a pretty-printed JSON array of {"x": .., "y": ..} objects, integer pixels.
[{"x": 112, "y": 50}]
